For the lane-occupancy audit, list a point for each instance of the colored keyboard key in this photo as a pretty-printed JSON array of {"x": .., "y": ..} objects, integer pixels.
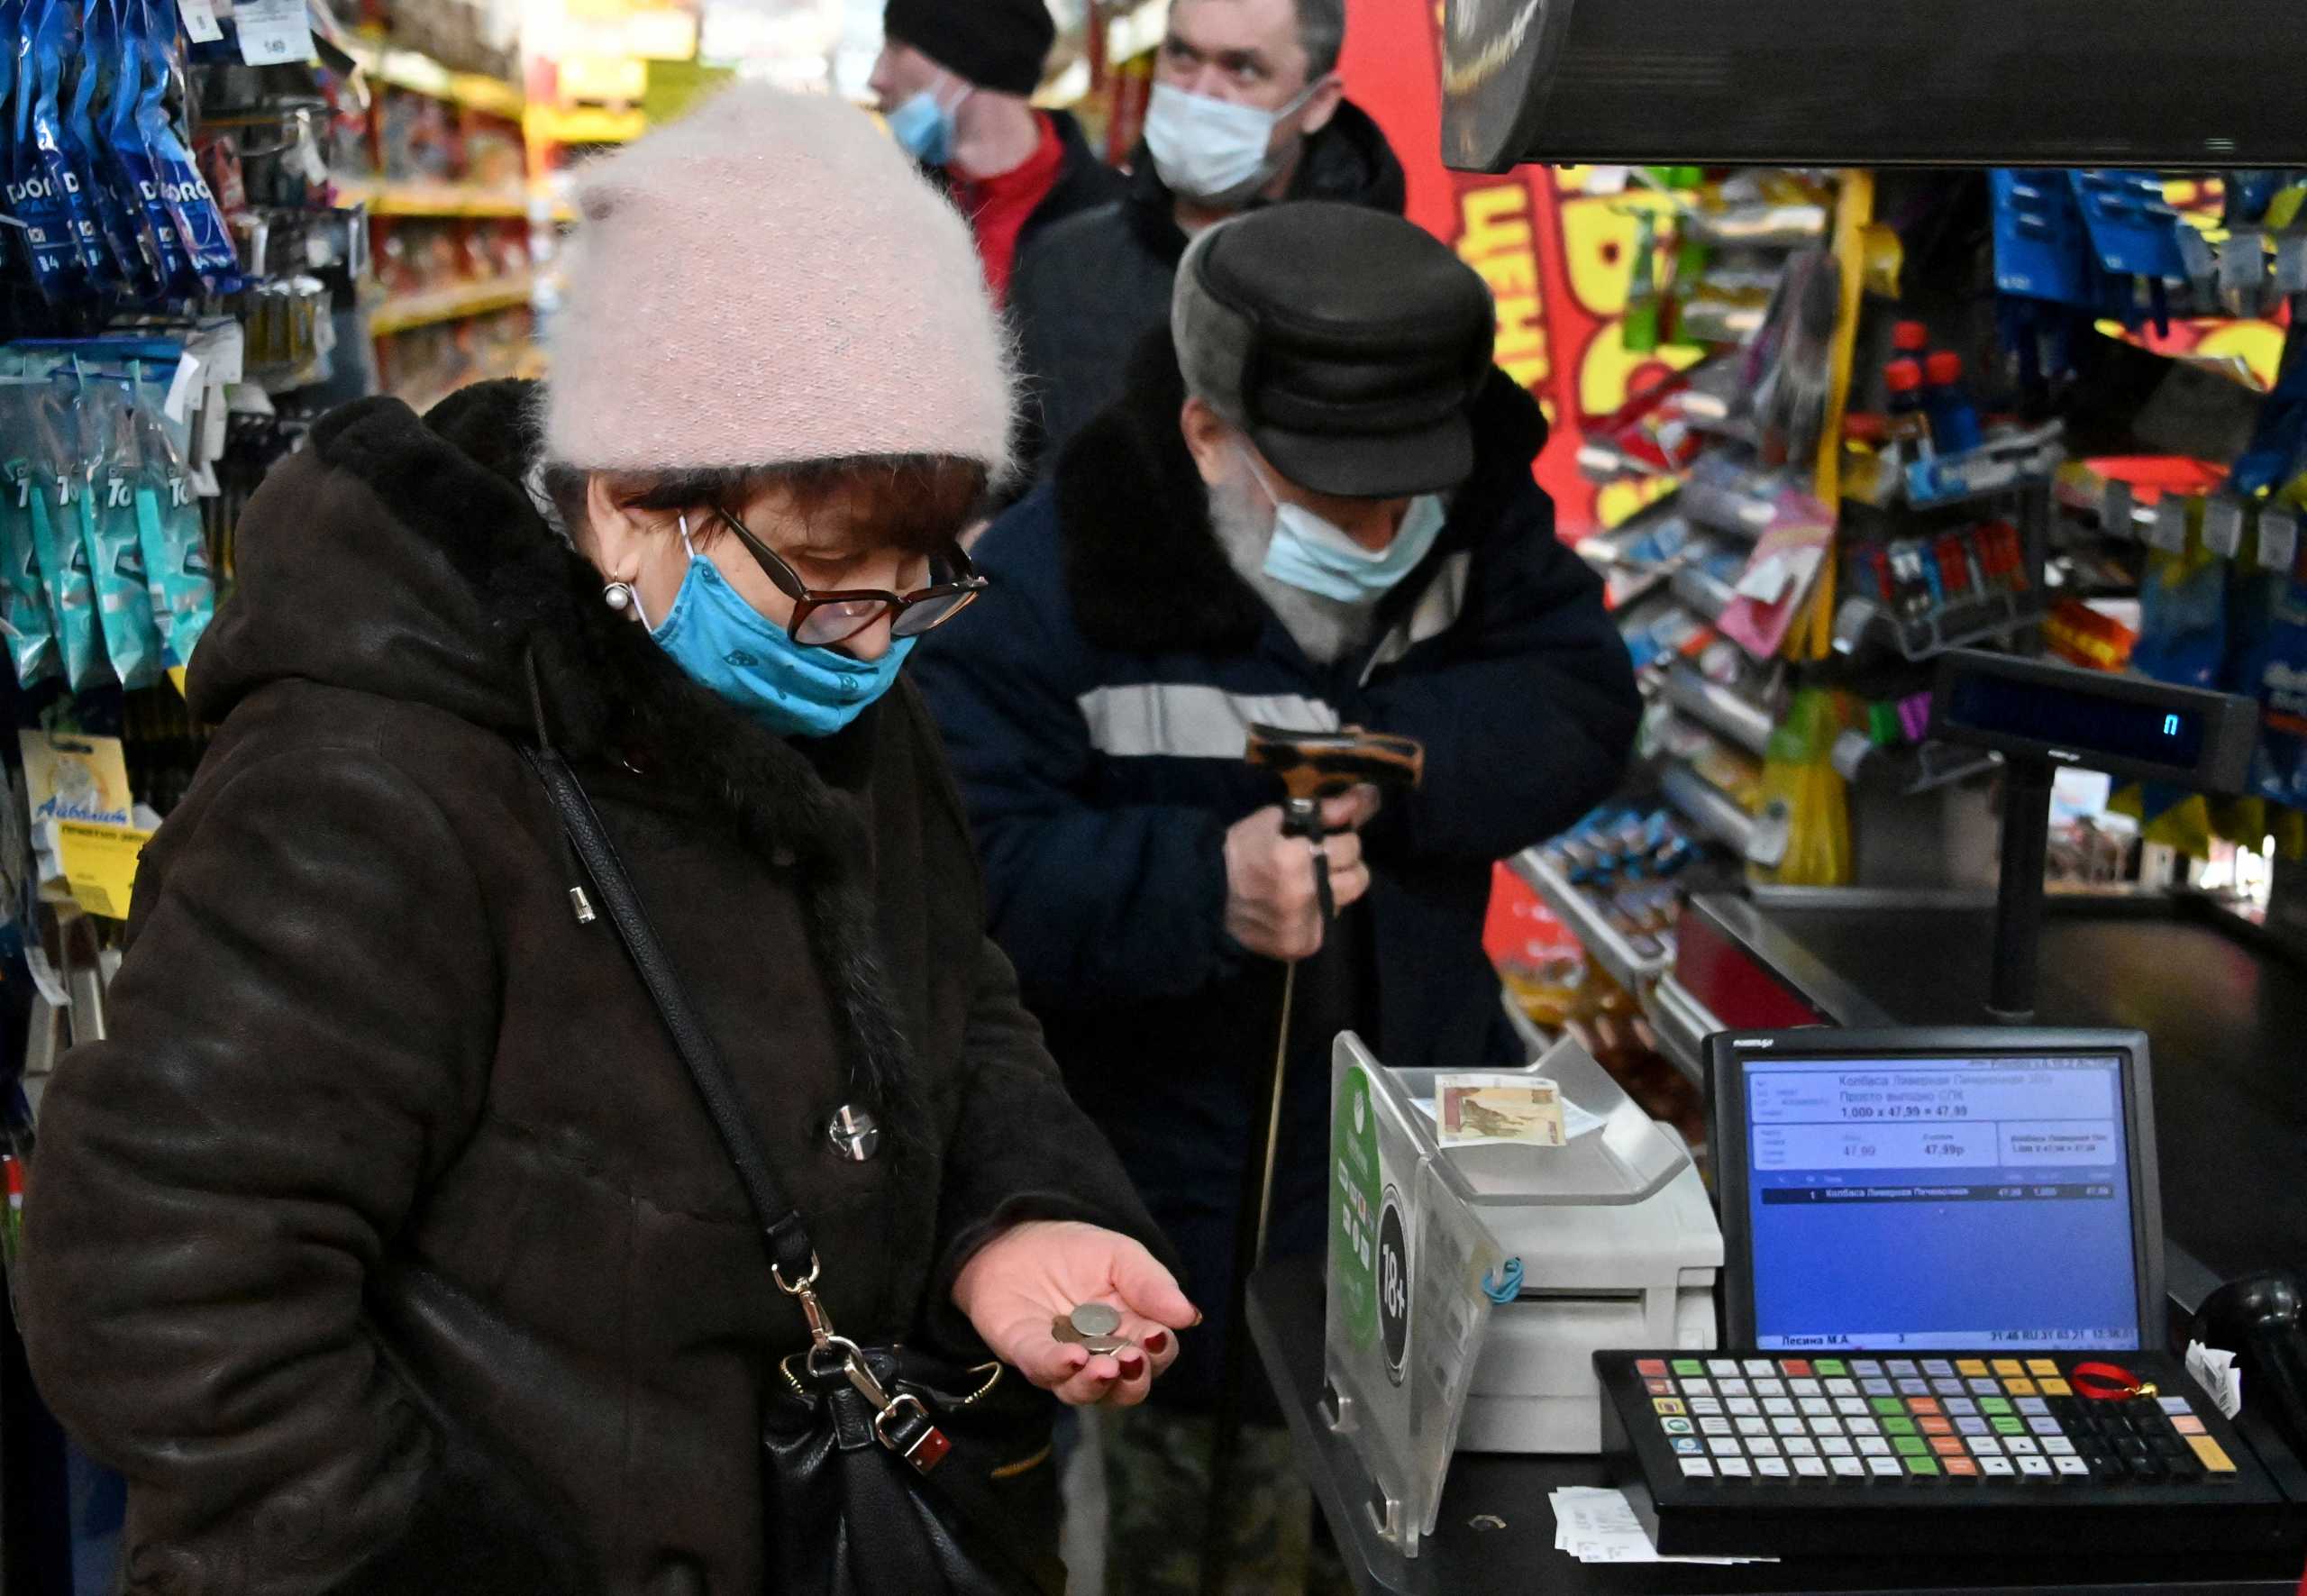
[{"x": 2211, "y": 1455}]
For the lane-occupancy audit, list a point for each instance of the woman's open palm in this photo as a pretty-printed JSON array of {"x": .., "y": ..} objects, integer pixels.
[{"x": 1027, "y": 1277}]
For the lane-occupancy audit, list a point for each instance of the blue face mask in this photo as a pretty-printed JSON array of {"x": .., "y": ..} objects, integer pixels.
[
  {"x": 726, "y": 644},
  {"x": 925, "y": 127},
  {"x": 1309, "y": 553}
]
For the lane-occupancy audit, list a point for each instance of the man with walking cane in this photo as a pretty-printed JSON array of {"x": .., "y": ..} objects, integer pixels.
[{"x": 1312, "y": 511}]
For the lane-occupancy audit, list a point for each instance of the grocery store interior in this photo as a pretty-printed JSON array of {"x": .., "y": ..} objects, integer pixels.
[{"x": 1941, "y": 467}]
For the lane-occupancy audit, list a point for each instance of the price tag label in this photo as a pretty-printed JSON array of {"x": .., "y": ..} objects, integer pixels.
[
  {"x": 2291, "y": 263},
  {"x": 100, "y": 864},
  {"x": 2278, "y": 539},
  {"x": 2169, "y": 533},
  {"x": 2222, "y": 527},
  {"x": 2243, "y": 264},
  {"x": 273, "y": 32},
  {"x": 2115, "y": 512},
  {"x": 200, "y": 23}
]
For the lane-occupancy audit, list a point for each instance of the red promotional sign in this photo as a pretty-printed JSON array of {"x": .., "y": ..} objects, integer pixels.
[{"x": 1557, "y": 250}]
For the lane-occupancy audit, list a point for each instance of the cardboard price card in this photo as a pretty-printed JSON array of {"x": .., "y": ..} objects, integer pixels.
[{"x": 100, "y": 864}]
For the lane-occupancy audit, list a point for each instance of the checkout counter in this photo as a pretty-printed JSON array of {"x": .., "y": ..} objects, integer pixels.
[{"x": 1439, "y": 1417}]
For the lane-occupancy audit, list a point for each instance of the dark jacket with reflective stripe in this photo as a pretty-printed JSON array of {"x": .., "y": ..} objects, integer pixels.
[{"x": 1096, "y": 702}]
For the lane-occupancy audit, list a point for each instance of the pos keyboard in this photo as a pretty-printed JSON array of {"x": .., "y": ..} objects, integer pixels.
[{"x": 1946, "y": 1453}]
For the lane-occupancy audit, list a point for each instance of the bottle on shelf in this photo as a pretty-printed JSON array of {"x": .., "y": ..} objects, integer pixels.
[
  {"x": 1953, "y": 420},
  {"x": 1909, "y": 424}
]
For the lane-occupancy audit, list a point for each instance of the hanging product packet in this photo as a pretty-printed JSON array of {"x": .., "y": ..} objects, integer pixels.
[
  {"x": 44, "y": 225},
  {"x": 2275, "y": 669},
  {"x": 62, "y": 554},
  {"x": 56, "y": 54},
  {"x": 144, "y": 77},
  {"x": 206, "y": 242},
  {"x": 24, "y": 597},
  {"x": 168, "y": 526},
  {"x": 2183, "y": 611},
  {"x": 108, "y": 522},
  {"x": 11, "y": 23},
  {"x": 137, "y": 269}
]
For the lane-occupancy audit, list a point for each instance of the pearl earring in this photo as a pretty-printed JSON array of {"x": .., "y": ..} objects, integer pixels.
[{"x": 618, "y": 596}]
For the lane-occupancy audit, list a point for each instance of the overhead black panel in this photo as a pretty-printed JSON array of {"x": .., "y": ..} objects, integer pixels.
[{"x": 2099, "y": 83}]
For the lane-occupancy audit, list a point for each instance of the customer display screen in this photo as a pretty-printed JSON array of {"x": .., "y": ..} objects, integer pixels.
[
  {"x": 2044, "y": 712},
  {"x": 1941, "y": 1203}
]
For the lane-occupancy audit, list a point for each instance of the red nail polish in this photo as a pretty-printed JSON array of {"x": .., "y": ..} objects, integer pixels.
[
  {"x": 1157, "y": 1341},
  {"x": 1132, "y": 1366}
]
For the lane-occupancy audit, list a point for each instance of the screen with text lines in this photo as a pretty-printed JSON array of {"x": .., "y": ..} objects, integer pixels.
[{"x": 1940, "y": 1204}]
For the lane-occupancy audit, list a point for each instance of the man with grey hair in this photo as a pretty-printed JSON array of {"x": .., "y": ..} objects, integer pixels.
[
  {"x": 1247, "y": 109},
  {"x": 1313, "y": 507}
]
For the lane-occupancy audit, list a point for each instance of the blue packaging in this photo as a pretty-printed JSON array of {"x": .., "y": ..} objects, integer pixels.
[
  {"x": 108, "y": 76},
  {"x": 55, "y": 45},
  {"x": 23, "y": 597},
  {"x": 33, "y": 195},
  {"x": 182, "y": 588},
  {"x": 108, "y": 529},
  {"x": 132, "y": 264},
  {"x": 206, "y": 242},
  {"x": 144, "y": 77},
  {"x": 2183, "y": 613},
  {"x": 57, "y": 486}
]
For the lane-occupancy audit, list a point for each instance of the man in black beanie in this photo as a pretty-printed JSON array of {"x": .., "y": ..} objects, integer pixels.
[{"x": 955, "y": 78}]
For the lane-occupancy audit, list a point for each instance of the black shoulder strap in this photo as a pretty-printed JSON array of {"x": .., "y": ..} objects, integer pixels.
[{"x": 789, "y": 1251}]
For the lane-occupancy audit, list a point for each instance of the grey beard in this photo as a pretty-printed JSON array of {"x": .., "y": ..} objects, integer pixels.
[{"x": 1325, "y": 628}]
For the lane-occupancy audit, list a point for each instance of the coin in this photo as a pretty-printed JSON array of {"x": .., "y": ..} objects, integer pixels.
[
  {"x": 1096, "y": 1320},
  {"x": 1061, "y": 1328},
  {"x": 1108, "y": 1343}
]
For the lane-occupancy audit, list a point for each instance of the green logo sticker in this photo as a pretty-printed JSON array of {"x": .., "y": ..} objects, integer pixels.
[{"x": 1353, "y": 1207}]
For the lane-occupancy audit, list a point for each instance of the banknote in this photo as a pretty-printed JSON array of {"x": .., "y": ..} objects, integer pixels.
[{"x": 1497, "y": 1108}]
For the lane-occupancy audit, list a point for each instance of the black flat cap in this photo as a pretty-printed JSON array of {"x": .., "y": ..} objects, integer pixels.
[
  {"x": 996, "y": 44},
  {"x": 1347, "y": 342}
]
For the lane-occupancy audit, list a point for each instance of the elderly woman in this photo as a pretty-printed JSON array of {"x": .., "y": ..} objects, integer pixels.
[{"x": 387, "y": 1243}]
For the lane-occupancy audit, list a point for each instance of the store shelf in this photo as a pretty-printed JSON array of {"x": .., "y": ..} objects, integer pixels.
[
  {"x": 1861, "y": 624},
  {"x": 421, "y": 74},
  {"x": 1718, "y": 709},
  {"x": 1705, "y": 595},
  {"x": 456, "y": 304},
  {"x": 1633, "y": 968},
  {"x": 583, "y": 124},
  {"x": 432, "y": 199},
  {"x": 1706, "y": 806}
]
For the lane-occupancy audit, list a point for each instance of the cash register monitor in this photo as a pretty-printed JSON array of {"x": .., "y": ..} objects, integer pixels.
[{"x": 1945, "y": 1189}]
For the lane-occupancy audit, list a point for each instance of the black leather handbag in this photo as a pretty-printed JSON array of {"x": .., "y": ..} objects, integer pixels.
[{"x": 850, "y": 1434}]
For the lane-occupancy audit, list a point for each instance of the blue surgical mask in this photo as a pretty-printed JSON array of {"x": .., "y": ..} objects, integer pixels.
[
  {"x": 925, "y": 127},
  {"x": 1309, "y": 553},
  {"x": 728, "y": 645}
]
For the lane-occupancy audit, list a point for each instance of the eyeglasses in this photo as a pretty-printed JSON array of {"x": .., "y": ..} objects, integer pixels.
[{"x": 821, "y": 620}]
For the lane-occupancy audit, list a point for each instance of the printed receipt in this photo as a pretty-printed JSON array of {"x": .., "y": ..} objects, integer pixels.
[{"x": 1599, "y": 1526}]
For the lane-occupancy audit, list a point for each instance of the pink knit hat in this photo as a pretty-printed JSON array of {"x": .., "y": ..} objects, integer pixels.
[{"x": 769, "y": 280}]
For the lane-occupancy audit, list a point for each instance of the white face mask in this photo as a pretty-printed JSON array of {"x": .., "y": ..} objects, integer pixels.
[
  {"x": 1213, "y": 151},
  {"x": 1315, "y": 556}
]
